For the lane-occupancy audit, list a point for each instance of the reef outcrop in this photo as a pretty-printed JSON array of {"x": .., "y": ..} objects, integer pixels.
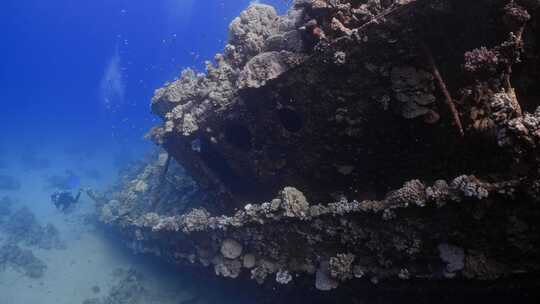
[
  {"x": 20, "y": 233},
  {"x": 349, "y": 140},
  {"x": 23, "y": 227},
  {"x": 22, "y": 260}
]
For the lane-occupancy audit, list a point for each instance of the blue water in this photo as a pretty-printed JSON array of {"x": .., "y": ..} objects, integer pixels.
[
  {"x": 56, "y": 55},
  {"x": 76, "y": 80}
]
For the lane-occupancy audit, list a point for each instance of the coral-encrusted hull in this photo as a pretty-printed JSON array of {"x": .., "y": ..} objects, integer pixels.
[{"x": 401, "y": 136}]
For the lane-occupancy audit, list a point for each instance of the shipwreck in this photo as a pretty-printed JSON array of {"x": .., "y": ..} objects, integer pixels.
[{"x": 350, "y": 141}]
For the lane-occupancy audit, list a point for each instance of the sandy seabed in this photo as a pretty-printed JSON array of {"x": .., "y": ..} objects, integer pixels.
[{"x": 86, "y": 268}]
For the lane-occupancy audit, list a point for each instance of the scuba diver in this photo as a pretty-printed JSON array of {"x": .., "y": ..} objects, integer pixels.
[{"x": 65, "y": 199}]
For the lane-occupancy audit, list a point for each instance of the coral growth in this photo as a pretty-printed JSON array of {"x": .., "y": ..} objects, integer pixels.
[
  {"x": 21, "y": 233},
  {"x": 22, "y": 227},
  {"x": 22, "y": 260},
  {"x": 297, "y": 156}
]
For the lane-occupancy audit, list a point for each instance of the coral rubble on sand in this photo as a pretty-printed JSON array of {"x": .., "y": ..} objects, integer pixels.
[
  {"x": 349, "y": 140},
  {"x": 22, "y": 260},
  {"x": 127, "y": 290},
  {"x": 20, "y": 232},
  {"x": 23, "y": 227},
  {"x": 130, "y": 288}
]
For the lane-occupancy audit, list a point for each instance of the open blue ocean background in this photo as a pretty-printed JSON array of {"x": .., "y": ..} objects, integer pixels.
[{"x": 86, "y": 70}]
